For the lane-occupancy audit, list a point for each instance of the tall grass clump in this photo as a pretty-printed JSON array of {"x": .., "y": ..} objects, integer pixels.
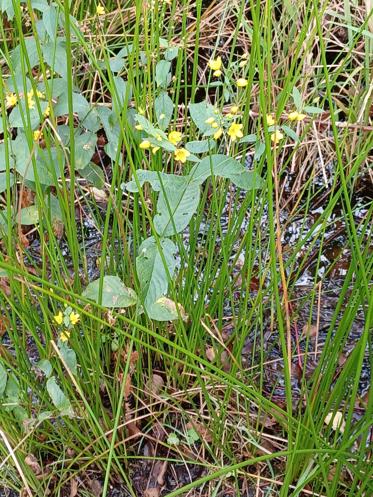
[{"x": 186, "y": 248}]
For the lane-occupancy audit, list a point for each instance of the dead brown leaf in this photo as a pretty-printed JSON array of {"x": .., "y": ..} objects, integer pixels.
[
  {"x": 96, "y": 487},
  {"x": 73, "y": 488},
  {"x": 33, "y": 464},
  {"x": 310, "y": 330},
  {"x": 155, "y": 384}
]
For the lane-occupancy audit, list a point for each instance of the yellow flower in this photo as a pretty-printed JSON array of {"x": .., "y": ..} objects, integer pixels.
[
  {"x": 242, "y": 63},
  {"x": 270, "y": 120},
  {"x": 174, "y": 137},
  {"x": 37, "y": 135},
  {"x": 145, "y": 144},
  {"x": 58, "y": 318},
  {"x": 217, "y": 73},
  {"x": 11, "y": 99},
  {"x": 214, "y": 125},
  {"x": 47, "y": 111},
  {"x": 74, "y": 318},
  {"x": 241, "y": 82},
  {"x": 158, "y": 137},
  {"x": 296, "y": 116},
  {"x": 155, "y": 150},
  {"x": 210, "y": 120},
  {"x": 276, "y": 136},
  {"x": 215, "y": 64},
  {"x": 181, "y": 155},
  {"x": 65, "y": 335},
  {"x": 218, "y": 133},
  {"x": 30, "y": 103},
  {"x": 100, "y": 11},
  {"x": 139, "y": 127},
  {"x": 234, "y": 109},
  {"x": 141, "y": 111},
  {"x": 32, "y": 93},
  {"x": 235, "y": 131}
]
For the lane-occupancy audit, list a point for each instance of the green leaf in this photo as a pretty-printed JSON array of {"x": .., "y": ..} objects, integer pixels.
[
  {"x": 50, "y": 21},
  {"x": 163, "y": 106},
  {"x": 249, "y": 139},
  {"x": 3, "y": 379},
  {"x": 114, "y": 293},
  {"x": 80, "y": 105},
  {"x": 177, "y": 203},
  {"x": 29, "y": 215},
  {"x": 165, "y": 309},
  {"x": 171, "y": 53},
  {"x": 200, "y": 146},
  {"x": 259, "y": 150},
  {"x": 116, "y": 64},
  {"x": 226, "y": 167},
  {"x": 68, "y": 356},
  {"x": 297, "y": 97},
  {"x": 151, "y": 271},
  {"x": 2, "y": 158},
  {"x": 94, "y": 175},
  {"x": 290, "y": 132},
  {"x": 156, "y": 179},
  {"x": 85, "y": 145},
  {"x": 3, "y": 180},
  {"x": 18, "y": 53},
  {"x": 12, "y": 389},
  {"x": 7, "y": 6},
  {"x": 162, "y": 73},
  {"x": 155, "y": 133},
  {"x": 18, "y": 117},
  {"x": 313, "y": 110},
  {"x": 123, "y": 90},
  {"x": 191, "y": 436},
  {"x": 54, "y": 53},
  {"x": 200, "y": 113},
  {"x": 173, "y": 439},
  {"x": 45, "y": 366},
  {"x": 59, "y": 399},
  {"x": 47, "y": 161}
]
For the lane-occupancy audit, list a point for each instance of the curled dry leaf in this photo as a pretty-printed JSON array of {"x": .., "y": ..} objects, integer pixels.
[
  {"x": 33, "y": 464},
  {"x": 99, "y": 195}
]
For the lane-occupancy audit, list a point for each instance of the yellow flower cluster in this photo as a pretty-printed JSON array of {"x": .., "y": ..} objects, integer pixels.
[
  {"x": 235, "y": 131},
  {"x": 181, "y": 155},
  {"x": 70, "y": 319},
  {"x": 216, "y": 65}
]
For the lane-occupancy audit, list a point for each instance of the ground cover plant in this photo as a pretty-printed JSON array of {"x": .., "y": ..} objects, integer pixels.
[{"x": 186, "y": 248}]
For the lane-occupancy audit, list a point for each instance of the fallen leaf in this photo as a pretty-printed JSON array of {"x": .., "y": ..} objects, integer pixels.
[
  {"x": 310, "y": 330},
  {"x": 96, "y": 487},
  {"x": 33, "y": 464},
  {"x": 73, "y": 488},
  {"x": 155, "y": 384}
]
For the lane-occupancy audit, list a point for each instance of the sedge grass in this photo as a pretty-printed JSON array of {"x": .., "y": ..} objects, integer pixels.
[{"x": 287, "y": 47}]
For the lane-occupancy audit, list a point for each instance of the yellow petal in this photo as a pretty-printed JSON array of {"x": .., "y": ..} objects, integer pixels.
[{"x": 242, "y": 82}]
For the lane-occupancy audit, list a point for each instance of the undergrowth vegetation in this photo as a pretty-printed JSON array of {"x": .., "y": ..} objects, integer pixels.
[{"x": 186, "y": 248}]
